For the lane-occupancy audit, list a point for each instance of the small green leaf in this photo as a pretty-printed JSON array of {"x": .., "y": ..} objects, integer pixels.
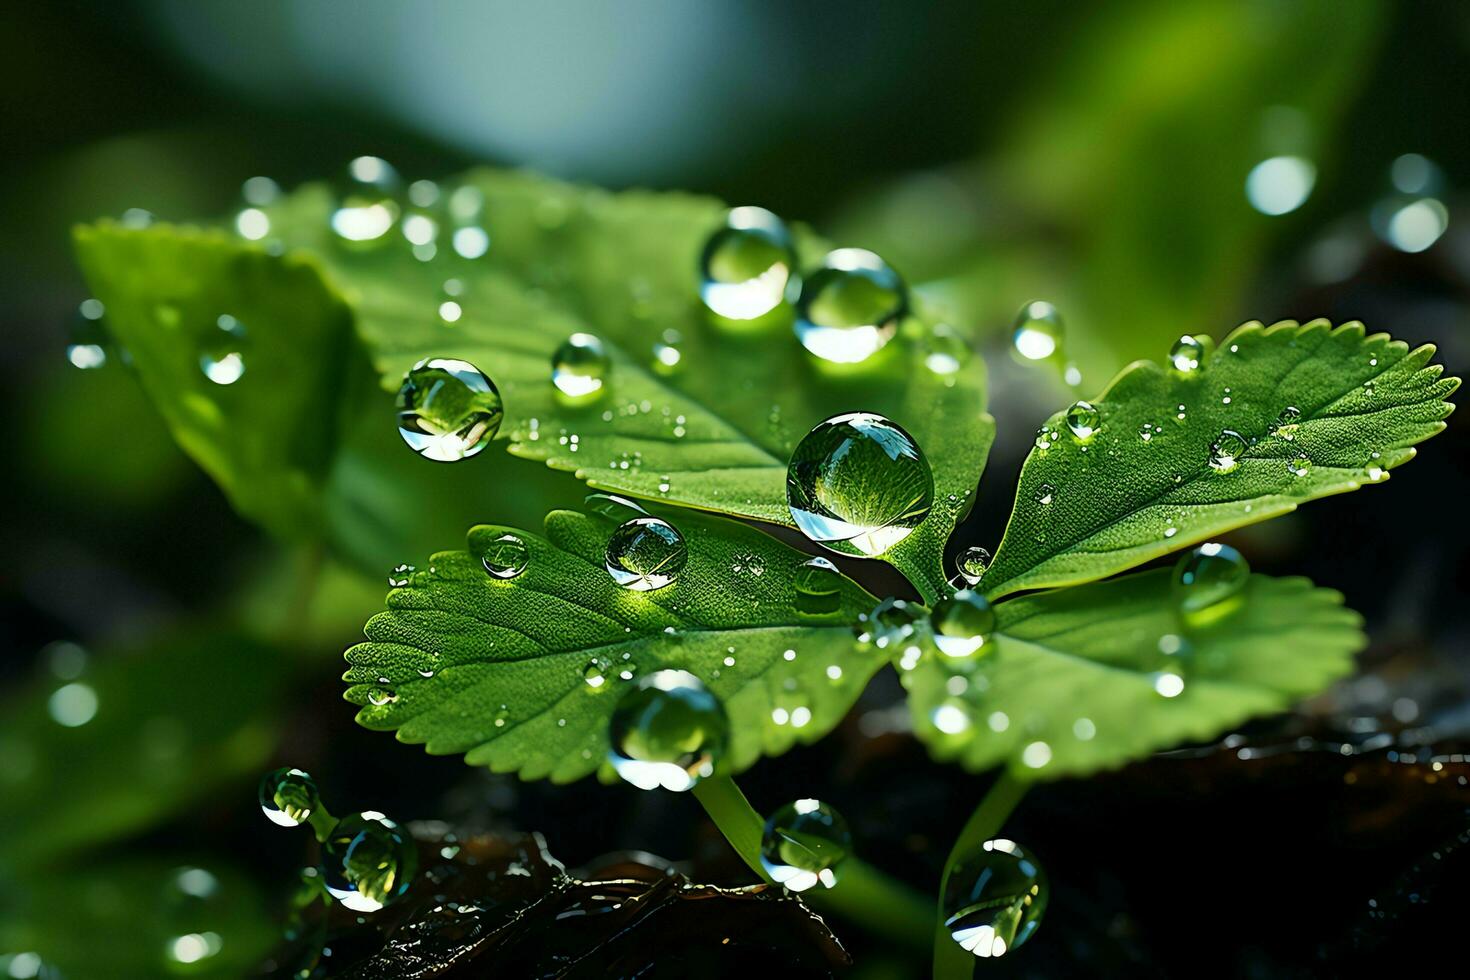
[
  {"x": 495, "y": 668},
  {"x": 717, "y": 432},
  {"x": 268, "y": 445},
  {"x": 1077, "y": 672},
  {"x": 1146, "y": 485},
  {"x": 138, "y": 736}
]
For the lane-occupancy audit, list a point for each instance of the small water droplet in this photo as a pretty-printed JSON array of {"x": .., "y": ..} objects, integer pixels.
[
  {"x": 288, "y": 796},
  {"x": 994, "y": 900},
  {"x": 1038, "y": 331},
  {"x": 381, "y": 696},
  {"x": 747, "y": 267},
  {"x": 645, "y": 553},
  {"x": 368, "y": 861},
  {"x": 502, "y": 715},
  {"x": 1146, "y": 432},
  {"x": 1084, "y": 420},
  {"x": 1046, "y": 437},
  {"x": 448, "y": 409},
  {"x": 221, "y": 357},
  {"x": 1226, "y": 451},
  {"x": 506, "y": 556},
  {"x": 817, "y": 586},
  {"x": 858, "y": 484},
  {"x": 804, "y": 844},
  {"x": 945, "y": 351},
  {"x": 399, "y": 577},
  {"x": 849, "y": 308},
  {"x": 1287, "y": 423},
  {"x": 972, "y": 564},
  {"x": 668, "y": 731},
  {"x": 962, "y": 623},
  {"x": 1186, "y": 355},
  {"x": 889, "y": 624},
  {"x": 1209, "y": 584},
  {"x": 1044, "y": 494},
  {"x": 367, "y": 206},
  {"x": 1300, "y": 466},
  {"x": 668, "y": 356},
  {"x": 580, "y": 366}
]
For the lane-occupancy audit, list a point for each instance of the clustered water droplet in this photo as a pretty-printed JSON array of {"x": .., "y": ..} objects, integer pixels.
[
  {"x": 858, "y": 484},
  {"x": 994, "y": 900},
  {"x": 669, "y": 730},
  {"x": 645, "y": 553},
  {"x": 804, "y": 844},
  {"x": 850, "y": 306},
  {"x": 448, "y": 409}
]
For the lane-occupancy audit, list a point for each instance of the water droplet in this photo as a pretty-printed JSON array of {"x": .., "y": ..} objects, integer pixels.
[
  {"x": 466, "y": 206},
  {"x": 668, "y": 731},
  {"x": 1044, "y": 494},
  {"x": 1084, "y": 420},
  {"x": 595, "y": 673},
  {"x": 858, "y": 484},
  {"x": 972, "y": 564},
  {"x": 1300, "y": 466},
  {"x": 804, "y": 844},
  {"x": 1287, "y": 423},
  {"x": 506, "y": 556},
  {"x": 502, "y": 715},
  {"x": 994, "y": 899},
  {"x": 399, "y": 577},
  {"x": 818, "y": 587},
  {"x": 448, "y": 409},
  {"x": 288, "y": 797},
  {"x": 220, "y": 355},
  {"x": 1146, "y": 432},
  {"x": 379, "y": 697},
  {"x": 890, "y": 623},
  {"x": 945, "y": 351},
  {"x": 1187, "y": 354},
  {"x": 668, "y": 356},
  {"x": 1226, "y": 451},
  {"x": 1046, "y": 437},
  {"x": 645, "y": 553},
  {"x": 612, "y": 507},
  {"x": 1279, "y": 185},
  {"x": 1209, "y": 584},
  {"x": 368, "y": 861},
  {"x": 87, "y": 346},
  {"x": 1038, "y": 331},
  {"x": 962, "y": 623},
  {"x": 849, "y": 308},
  {"x": 748, "y": 563},
  {"x": 580, "y": 366},
  {"x": 367, "y": 207},
  {"x": 748, "y": 265}
]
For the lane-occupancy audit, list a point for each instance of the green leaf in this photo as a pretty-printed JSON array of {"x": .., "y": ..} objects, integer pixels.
[
  {"x": 715, "y": 435},
  {"x": 524, "y": 643},
  {"x": 268, "y": 443},
  {"x": 1118, "y": 500},
  {"x": 172, "y": 723},
  {"x": 1075, "y": 670}
]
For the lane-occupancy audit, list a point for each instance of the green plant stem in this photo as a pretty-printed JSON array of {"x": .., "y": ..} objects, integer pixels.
[
  {"x": 321, "y": 823},
  {"x": 863, "y": 893},
  {"x": 950, "y": 961}
]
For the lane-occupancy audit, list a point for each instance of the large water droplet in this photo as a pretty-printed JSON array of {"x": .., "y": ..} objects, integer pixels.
[
  {"x": 506, "y": 556},
  {"x": 804, "y": 844},
  {"x": 1083, "y": 419},
  {"x": 645, "y": 553},
  {"x": 1226, "y": 451},
  {"x": 367, "y": 207},
  {"x": 288, "y": 797},
  {"x": 962, "y": 623},
  {"x": 580, "y": 366},
  {"x": 1038, "y": 332},
  {"x": 972, "y": 564},
  {"x": 1187, "y": 354},
  {"x": 850, "y": 307},
  {"x": 748, "y": 265},
  {"x": 448, "y": 409},
  {"x": 668, "y": 731},
  {"x": 858, "y": 484},
  {"x": 1209, "y": 583},
  {"x": 368, "y": 861},
  {"x": 994, "y": 900},
  {"x": 221, "y": 357},
  {"x": 818, "y": 587}
]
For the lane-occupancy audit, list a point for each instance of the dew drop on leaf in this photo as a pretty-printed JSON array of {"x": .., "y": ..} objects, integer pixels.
[
  {"x": 890, "y": 623},
  {"x": 579, "y": 367},
  {"x": 858, "y": 484},
  {"x": 1038, "y": 331},
  {"x": 368, "y": 861},
  {"x": 1045, "y": 494},
  {"x": 1186, "y": 354},
  {"x": 1226, "y": 451},
  {"x": 972, "y": 564},
  {"x": 748, "y": 266},
  {"x": 817, "y": 585},
  {"x": 645, "y": 553},
  {"x": 381, "y": 696},
  {"x": 288, "y": 796},
  {"x": 221, "y": 355},
  {"x": 399, "y": 577},
  {"x": 506, "y": 556},
  {"x": 367, "y": 204},
  {"x": 1209, "y": 584},
  {"x": 1084, "y": 420},
  {"x": 1300, "y": 466},
  {"x": 994, "y": 900},
  {"x": 448, "y": 409},
  {"x": 669, "y": 731},
  {"x": 962, "y": 623},
  {"x": 668, "y": 356},
  {"x": 849, "y": 308},
  {"x": 804, "y": 844},
  {"x": 1287, "y": 423}
]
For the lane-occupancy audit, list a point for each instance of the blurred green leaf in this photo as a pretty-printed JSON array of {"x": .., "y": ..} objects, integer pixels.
[
  {"x": 136, "y": 918},
  {"x": 524, "y": 643},
  {"x": 717, "y": 433},
  {"x": 1088, "y": 509},
  {"x": 138, "y": 736},
  {"x": 1074, "y": 671}
]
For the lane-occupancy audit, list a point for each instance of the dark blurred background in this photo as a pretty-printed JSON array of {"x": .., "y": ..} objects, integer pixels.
[{"x": 1150, "y": 167}]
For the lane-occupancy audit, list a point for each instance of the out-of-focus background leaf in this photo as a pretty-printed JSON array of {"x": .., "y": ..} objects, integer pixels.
[{"x": 1093, "y": 155}]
